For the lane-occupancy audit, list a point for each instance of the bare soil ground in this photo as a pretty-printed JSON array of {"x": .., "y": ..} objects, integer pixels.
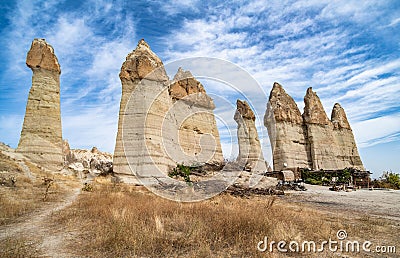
[{"x": 374, "y": 203}]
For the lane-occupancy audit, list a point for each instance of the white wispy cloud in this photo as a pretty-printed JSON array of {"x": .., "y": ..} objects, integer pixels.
[
  {"x": 90, "y": 61},
  {"x": 337, "y": 47},
  {"x": 302, "y": 44}
]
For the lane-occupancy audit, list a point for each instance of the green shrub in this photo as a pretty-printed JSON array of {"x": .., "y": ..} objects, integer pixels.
[{"x": 181, "y": 171}]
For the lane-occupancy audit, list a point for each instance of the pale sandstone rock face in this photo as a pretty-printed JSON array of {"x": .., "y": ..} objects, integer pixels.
[
  {"x": 161, "y": 125},
  {"x": 196, "y": 124},
  {"x": 41, "y": 135},
  {"x": 344, "y": 137},
  {"x": 286, "y": 131},
  {"x": 339, "y": 118},
  {"x": 93, "y": 162},
  {"x": 250, "y": 153},
  {"x": 326, "y": 144},
  {"x": 314, "y": 112},
  {"x": 283, "y": 106},
  {"x": 141, "y": 63},
  {"x": 323, "y": 147}
]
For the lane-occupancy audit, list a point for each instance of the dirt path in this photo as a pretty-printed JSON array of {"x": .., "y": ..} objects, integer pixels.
[{"x": 37, "y": 226}]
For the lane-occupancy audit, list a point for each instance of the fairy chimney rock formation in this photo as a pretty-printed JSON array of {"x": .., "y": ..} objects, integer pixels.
[
  {"x": 314, "y": 112},
  {"x": 283, "y": 106},
  {"x": 286, "y": 131},
  {"x": 250, "y": 153},
  {"x": 348, "y": 156},
  {"x": 41, "y": 135},
  {"x": 322, "y": 145},
  {"x": 311, "y": 141},
  {"x": 143, "y": 77},
  {"x": 142, "y": 63},
  {"x": 339, "y": 118},
  {"x": 193, "y": 111},
  {"x": 161, "y": 122}
]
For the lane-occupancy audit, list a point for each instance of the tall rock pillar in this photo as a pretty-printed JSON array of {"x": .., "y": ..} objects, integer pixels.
[
  {"x": 250, "y": 152},
  {"x": 198, "y": 136},
  {"x": 286, "y": 131},
  {"x": 348, "y": 156},
  {"x": 41, "y": 135},
  {"x": 322, "y": 144},
  {"x": 144, "y": 103}
]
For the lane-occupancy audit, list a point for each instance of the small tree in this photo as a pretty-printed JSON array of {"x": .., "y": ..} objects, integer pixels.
[
  {"x": 388, "y": 180},
  {"x": 393, "y": 180}
]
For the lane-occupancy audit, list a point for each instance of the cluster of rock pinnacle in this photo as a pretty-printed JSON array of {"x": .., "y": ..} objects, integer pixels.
[
  {"x": 163, "y": 122},
  {"x": 309, "y": 140}
]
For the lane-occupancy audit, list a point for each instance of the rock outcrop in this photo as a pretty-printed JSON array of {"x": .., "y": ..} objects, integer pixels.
[
  {"x": 161, "y": 122},
  {"x": 144, "y": 81},
  {"x": 193, "y": 111},
  {"x": 310, "y": 140},
  {"x": 41, "y": 135},
  {"x": 323, "y": 148},
  {"x": 286, "y": 131},
  {"x": 348, "y": 155},
  {"x": 250, "y": 153},
  {"x": 91, "y": 162}
]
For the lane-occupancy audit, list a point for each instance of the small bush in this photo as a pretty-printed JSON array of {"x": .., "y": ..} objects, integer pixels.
[
  {"x": 87, "y": 187},
  {"x": 181, "y": 171}
]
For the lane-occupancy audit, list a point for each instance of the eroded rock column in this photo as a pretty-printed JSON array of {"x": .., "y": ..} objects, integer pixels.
[
  {"x": 193, "y": 111},
  {"x": 41, "y": 135},
  {"x": 286, "y": 131},
  {"x": 322, "y": 145},
  {"x": 348, "y": 156},
  {"x": 250, "y": 153},
  {"x": 144, "y": 85}
]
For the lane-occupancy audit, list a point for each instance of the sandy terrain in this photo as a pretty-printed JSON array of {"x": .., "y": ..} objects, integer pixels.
[{"x": 377, "y": 203}]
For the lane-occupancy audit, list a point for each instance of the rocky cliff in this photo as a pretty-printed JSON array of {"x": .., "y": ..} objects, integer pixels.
[
  {"x": 310, "y": 140},
  {"x": 348, "y": 156},
  {"x": 41, "y": 135},
  {"x": 250, "y": 153}
]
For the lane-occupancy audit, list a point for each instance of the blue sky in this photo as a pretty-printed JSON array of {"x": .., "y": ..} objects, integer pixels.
[{"x": 348, "y": 51}]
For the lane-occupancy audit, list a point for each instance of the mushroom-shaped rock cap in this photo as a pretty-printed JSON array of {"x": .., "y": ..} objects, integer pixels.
[
  {"x": 314, "y": 112},
  {"x": 143, "y": 63},
  {"x": 243, "y": 109},
  {"x": 41, "y": 56},
  {"x": 283, "y": 106},
  {"x": 339, "y": 118}
]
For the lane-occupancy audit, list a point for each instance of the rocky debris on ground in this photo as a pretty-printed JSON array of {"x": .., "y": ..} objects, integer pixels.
[
  {"x": 310, "y": 140},
  {"x": 93, "y": 162},
  {"x": 240, "y": 191},
  {"x": 41, "y": 135}
]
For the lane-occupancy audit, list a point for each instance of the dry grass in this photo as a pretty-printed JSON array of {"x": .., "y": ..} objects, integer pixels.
[
  {"x": 119, "y": 221},
  {"x": 28, "y": 192},
  {"x": 18, "y": 247}
]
